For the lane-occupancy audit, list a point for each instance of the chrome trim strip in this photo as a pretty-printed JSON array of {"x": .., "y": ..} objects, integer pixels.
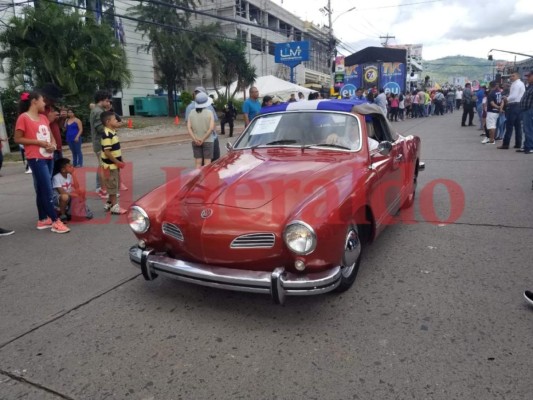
[
  {"x": 278, "y": 283},
  {"x": 254, "y": 241}
]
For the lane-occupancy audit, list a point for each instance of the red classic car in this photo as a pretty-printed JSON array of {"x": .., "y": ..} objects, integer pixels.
[{"x": 288, "y": 210}]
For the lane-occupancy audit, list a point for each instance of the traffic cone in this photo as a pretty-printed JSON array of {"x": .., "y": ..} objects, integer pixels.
[
  {"x": 176, "y": 120},
  {"x": 130, "y": 123}
]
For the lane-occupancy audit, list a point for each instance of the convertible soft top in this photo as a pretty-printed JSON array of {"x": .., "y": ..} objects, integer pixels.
[{"x": 346, "y": 105}]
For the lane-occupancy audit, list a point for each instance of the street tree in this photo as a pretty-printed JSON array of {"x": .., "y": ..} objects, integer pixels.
[
  {"x": 231, "y": 65},
  {"x": 179, "y": 50}
]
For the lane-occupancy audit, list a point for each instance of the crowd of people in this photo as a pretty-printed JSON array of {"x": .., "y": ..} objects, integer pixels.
[
  {"x": 38, "y": 128},
  {"x": 507, "y": 109}
]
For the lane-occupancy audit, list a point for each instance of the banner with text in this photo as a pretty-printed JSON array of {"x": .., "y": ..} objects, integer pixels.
[
  {"x": 392, "y": 77},
  {"x": 353, "y": 75},
  {"x": 370, "y": 75}
]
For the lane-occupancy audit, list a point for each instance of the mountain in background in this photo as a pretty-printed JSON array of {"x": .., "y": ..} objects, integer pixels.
[{"x": 442, "y": 69}]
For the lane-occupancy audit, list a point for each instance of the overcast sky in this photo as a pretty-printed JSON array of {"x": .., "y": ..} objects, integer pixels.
[{"x": 443, "y": 27}]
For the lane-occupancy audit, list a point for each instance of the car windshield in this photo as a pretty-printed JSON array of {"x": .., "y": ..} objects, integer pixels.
[{"x": 303, "y": 129}]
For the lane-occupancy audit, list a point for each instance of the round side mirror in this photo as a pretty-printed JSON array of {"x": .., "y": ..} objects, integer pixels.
[{"x": 384, "y": 148}]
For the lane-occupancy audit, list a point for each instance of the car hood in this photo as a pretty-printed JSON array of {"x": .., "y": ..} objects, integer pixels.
[{"x": 251, "y": 179}]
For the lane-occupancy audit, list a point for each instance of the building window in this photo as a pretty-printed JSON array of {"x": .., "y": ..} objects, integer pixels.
[
  {"x": 271, "y": 48},
  {"x": 240, "y": 8},
  {"x": 242, "y": 35},
  {"x": 257, "y": 43}
]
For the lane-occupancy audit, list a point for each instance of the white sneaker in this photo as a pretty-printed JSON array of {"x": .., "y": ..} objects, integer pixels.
[
  {"x": 485, "y": 141},
  {"x": 116, "y": 209},
  {"x": 28, "y": 171}
]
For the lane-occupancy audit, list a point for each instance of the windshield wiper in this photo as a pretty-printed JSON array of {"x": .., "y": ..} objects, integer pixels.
[
  {"x": 283, "y": 141},
  {"x": 338, "y": 146}
]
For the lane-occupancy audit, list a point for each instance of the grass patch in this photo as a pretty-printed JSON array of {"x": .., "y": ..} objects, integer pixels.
[
  {"x": 145, "y": 122},
  {"x": 12, "y": 157}
]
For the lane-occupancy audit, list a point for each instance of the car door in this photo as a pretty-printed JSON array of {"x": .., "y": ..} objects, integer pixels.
[{"x": 387, "y": 186}]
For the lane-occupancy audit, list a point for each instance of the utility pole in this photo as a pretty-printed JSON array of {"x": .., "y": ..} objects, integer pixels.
[{"x": 387, "y": 37}]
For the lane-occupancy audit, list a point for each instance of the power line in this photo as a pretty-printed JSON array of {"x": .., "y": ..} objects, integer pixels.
[{"x": 401, "y": 5}]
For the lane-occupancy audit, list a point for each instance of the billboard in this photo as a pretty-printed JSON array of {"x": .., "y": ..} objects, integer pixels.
[
  {"x": 392, "y": 77},
  {"x": 291, "y": 53},
  {"x": 370, "y": 75},
  {"x": 353, "y": 75}
]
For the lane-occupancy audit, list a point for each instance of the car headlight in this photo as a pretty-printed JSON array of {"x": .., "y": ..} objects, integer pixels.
[
  {"x": 300, "y": 237},
  {"x": 138, "y": 220}
]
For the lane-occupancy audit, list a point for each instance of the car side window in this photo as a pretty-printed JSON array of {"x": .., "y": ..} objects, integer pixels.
[{"x": 381, "y": 128}]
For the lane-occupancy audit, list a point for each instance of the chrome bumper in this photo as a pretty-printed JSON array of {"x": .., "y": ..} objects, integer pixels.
[{"x": 278, "y": 283}]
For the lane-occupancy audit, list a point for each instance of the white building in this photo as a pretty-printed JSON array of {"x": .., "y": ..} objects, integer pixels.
[{"x": 261, "y": 24}]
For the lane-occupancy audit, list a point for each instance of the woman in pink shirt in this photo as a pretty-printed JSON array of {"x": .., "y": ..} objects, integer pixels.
[{"x": 33, "y": 131}]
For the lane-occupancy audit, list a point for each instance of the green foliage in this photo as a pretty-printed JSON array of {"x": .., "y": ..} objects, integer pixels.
[
  {"x": 230, "y": 65},
  {"x": 52, "y": 43},
  {"x": 10, "y": 99},
  {"x": 186, "y": 99},
  {"x": 178, "y": 48},
  {"x": 238, "y": 105},
  {"x": 219, "y": 103}
]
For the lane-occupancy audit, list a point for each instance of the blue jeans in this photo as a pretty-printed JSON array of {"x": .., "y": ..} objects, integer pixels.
[
  {"x": 500, "y": 131},
  {"x": 449, "y": 106},
  {"x": 479, "y": 109},
  {"x": 527, "y": 120},
  {"x": 513, "y": 121},
  {"x": 42, "y": 182},
  {"x": 77, "y": 156}
]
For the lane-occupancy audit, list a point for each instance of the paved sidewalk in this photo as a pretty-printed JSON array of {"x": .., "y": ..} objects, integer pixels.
[{"x": 155, "y": 136}]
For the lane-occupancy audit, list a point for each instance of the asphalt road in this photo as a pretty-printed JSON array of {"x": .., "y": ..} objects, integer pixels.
[{"x": 436, "y": 312}]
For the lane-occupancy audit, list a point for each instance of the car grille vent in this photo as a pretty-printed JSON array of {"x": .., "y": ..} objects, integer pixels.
[
  {"x": 254, "y": 241},
  {"x": 172, "y": 231}
]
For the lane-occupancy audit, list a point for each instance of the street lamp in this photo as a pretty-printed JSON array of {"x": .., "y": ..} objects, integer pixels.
[
  {"x": 342, "y": 13},
  {"x": 489, "y": 57},
  {"x": 326, "y": 10}
]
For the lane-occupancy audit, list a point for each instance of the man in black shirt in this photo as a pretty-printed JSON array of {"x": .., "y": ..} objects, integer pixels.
[
  {"x": 468, "y": 105},
  {"x": 494, "y": 108}
]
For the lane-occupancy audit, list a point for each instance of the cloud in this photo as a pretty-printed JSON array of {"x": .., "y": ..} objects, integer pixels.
[{"x": 468, "y": 30}]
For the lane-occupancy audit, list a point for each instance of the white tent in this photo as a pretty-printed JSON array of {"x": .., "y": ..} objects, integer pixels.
[{"x": 272, "y": 86}]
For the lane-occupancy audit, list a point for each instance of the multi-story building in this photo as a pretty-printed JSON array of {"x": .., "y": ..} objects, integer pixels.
[{"x": 261, "y": 24}]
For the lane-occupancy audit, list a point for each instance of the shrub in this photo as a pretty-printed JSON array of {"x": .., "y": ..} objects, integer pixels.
[{"x": 10, "y": 98}]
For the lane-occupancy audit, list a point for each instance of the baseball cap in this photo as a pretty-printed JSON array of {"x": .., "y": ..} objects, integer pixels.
[
  {"x": 529, "y": 73},
  {"x": 200, "y": 89}
]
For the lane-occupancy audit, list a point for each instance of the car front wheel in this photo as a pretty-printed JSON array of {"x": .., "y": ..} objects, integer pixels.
[{"x": 351, "y": 258}]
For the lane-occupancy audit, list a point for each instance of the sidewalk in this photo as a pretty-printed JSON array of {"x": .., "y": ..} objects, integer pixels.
[{"x": 156, "y": 135}]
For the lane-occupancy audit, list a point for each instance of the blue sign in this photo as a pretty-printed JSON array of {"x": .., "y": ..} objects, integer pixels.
[
  {"x": 291, "y": 53},
  {"x": 348, "y": 90},
  {"x": 392, "y": 77},
  {"x": 392, "y": 87}
]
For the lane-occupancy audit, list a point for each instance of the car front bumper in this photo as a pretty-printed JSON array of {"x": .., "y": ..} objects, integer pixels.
[{"x": 278, "y": 283}]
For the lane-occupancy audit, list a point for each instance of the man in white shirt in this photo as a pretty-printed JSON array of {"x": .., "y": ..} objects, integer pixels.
[
  {"x": 513, "y": 113},
  {"x": 458, "y": 98}
]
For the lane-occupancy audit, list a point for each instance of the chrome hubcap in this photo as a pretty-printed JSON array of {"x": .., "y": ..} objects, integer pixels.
[{"x": 352, "y": 251}]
